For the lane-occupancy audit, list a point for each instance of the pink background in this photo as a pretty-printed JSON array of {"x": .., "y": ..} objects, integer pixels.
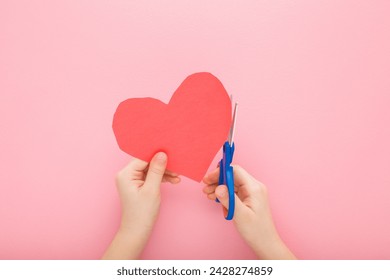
[{"x": 312, "y": 80}]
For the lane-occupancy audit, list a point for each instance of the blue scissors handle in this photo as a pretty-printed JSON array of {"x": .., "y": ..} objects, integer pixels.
[{"x": 226, "y": 176}]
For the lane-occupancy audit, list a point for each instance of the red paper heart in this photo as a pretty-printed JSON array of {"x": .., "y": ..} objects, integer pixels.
[{"x": 190, "y": 129}]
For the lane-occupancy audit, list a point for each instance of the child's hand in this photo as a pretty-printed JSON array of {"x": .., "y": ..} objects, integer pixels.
[
  {"x": 139, "y": 190},
  {"x": 252, "y": 216}
]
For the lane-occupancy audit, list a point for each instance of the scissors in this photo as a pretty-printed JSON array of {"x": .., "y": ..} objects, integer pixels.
[{"x": 225, "y": 169}]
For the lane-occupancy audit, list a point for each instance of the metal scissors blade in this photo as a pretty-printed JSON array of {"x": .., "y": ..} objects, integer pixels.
[{"x": 231, "y": 133}]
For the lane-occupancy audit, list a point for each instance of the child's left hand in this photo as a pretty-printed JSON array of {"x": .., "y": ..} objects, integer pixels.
[{"x": 139, "y": 190}]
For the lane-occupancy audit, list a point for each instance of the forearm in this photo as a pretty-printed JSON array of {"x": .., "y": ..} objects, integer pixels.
[
  {"x": 273, "y": 249},
  {"x": 126, "y": 245}
]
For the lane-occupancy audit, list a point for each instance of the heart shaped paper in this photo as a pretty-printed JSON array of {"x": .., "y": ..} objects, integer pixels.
[{"x": 190, "y": 129}]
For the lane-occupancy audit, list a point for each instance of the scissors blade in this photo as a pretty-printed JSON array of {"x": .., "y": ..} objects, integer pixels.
[{"x": 231, "y": 133}]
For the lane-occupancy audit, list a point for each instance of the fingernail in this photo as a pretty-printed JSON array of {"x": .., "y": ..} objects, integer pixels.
[{"x": 161, "y": 157}]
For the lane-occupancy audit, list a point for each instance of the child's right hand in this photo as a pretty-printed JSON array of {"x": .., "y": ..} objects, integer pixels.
[{"x": 252, "y": 215}]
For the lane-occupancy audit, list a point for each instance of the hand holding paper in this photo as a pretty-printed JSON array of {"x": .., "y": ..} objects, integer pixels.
[{"x": 139, "y": 190}]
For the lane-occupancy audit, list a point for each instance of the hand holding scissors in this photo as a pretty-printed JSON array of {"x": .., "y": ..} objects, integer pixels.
[{"x": 226, "y": 176}]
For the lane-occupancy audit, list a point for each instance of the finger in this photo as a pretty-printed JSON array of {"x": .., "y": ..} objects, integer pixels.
[
  {"x": 167, "y": 175},
  {"x": 172, "y": 180},
  {"x": 167, "y": 172},
  {"x": 135, "y": 169},
  {"x": 156, "y": 170},
  {"x": 212, "y": 177},
  {"x": 212, "y": 196},
  {"x": 222, "y": 194},
  {"x": 241, "y": 176},
  {"x": 170, "y": 173},
  {"x": 175, "y": 180},
  {"x": 209, "y": 189}
]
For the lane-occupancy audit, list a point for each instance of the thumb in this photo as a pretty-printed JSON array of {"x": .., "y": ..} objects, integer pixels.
[
  {"x": 156, "y": 170},
  {"x": 221, "y": 192}
]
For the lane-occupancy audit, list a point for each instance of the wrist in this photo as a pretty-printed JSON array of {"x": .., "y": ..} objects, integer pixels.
[
  {"x": 132, "y": 241},
  {"x": 126, "y": 244},
  {"x": 266, "y": 243},
  {"x": 273, "y": 248}
]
